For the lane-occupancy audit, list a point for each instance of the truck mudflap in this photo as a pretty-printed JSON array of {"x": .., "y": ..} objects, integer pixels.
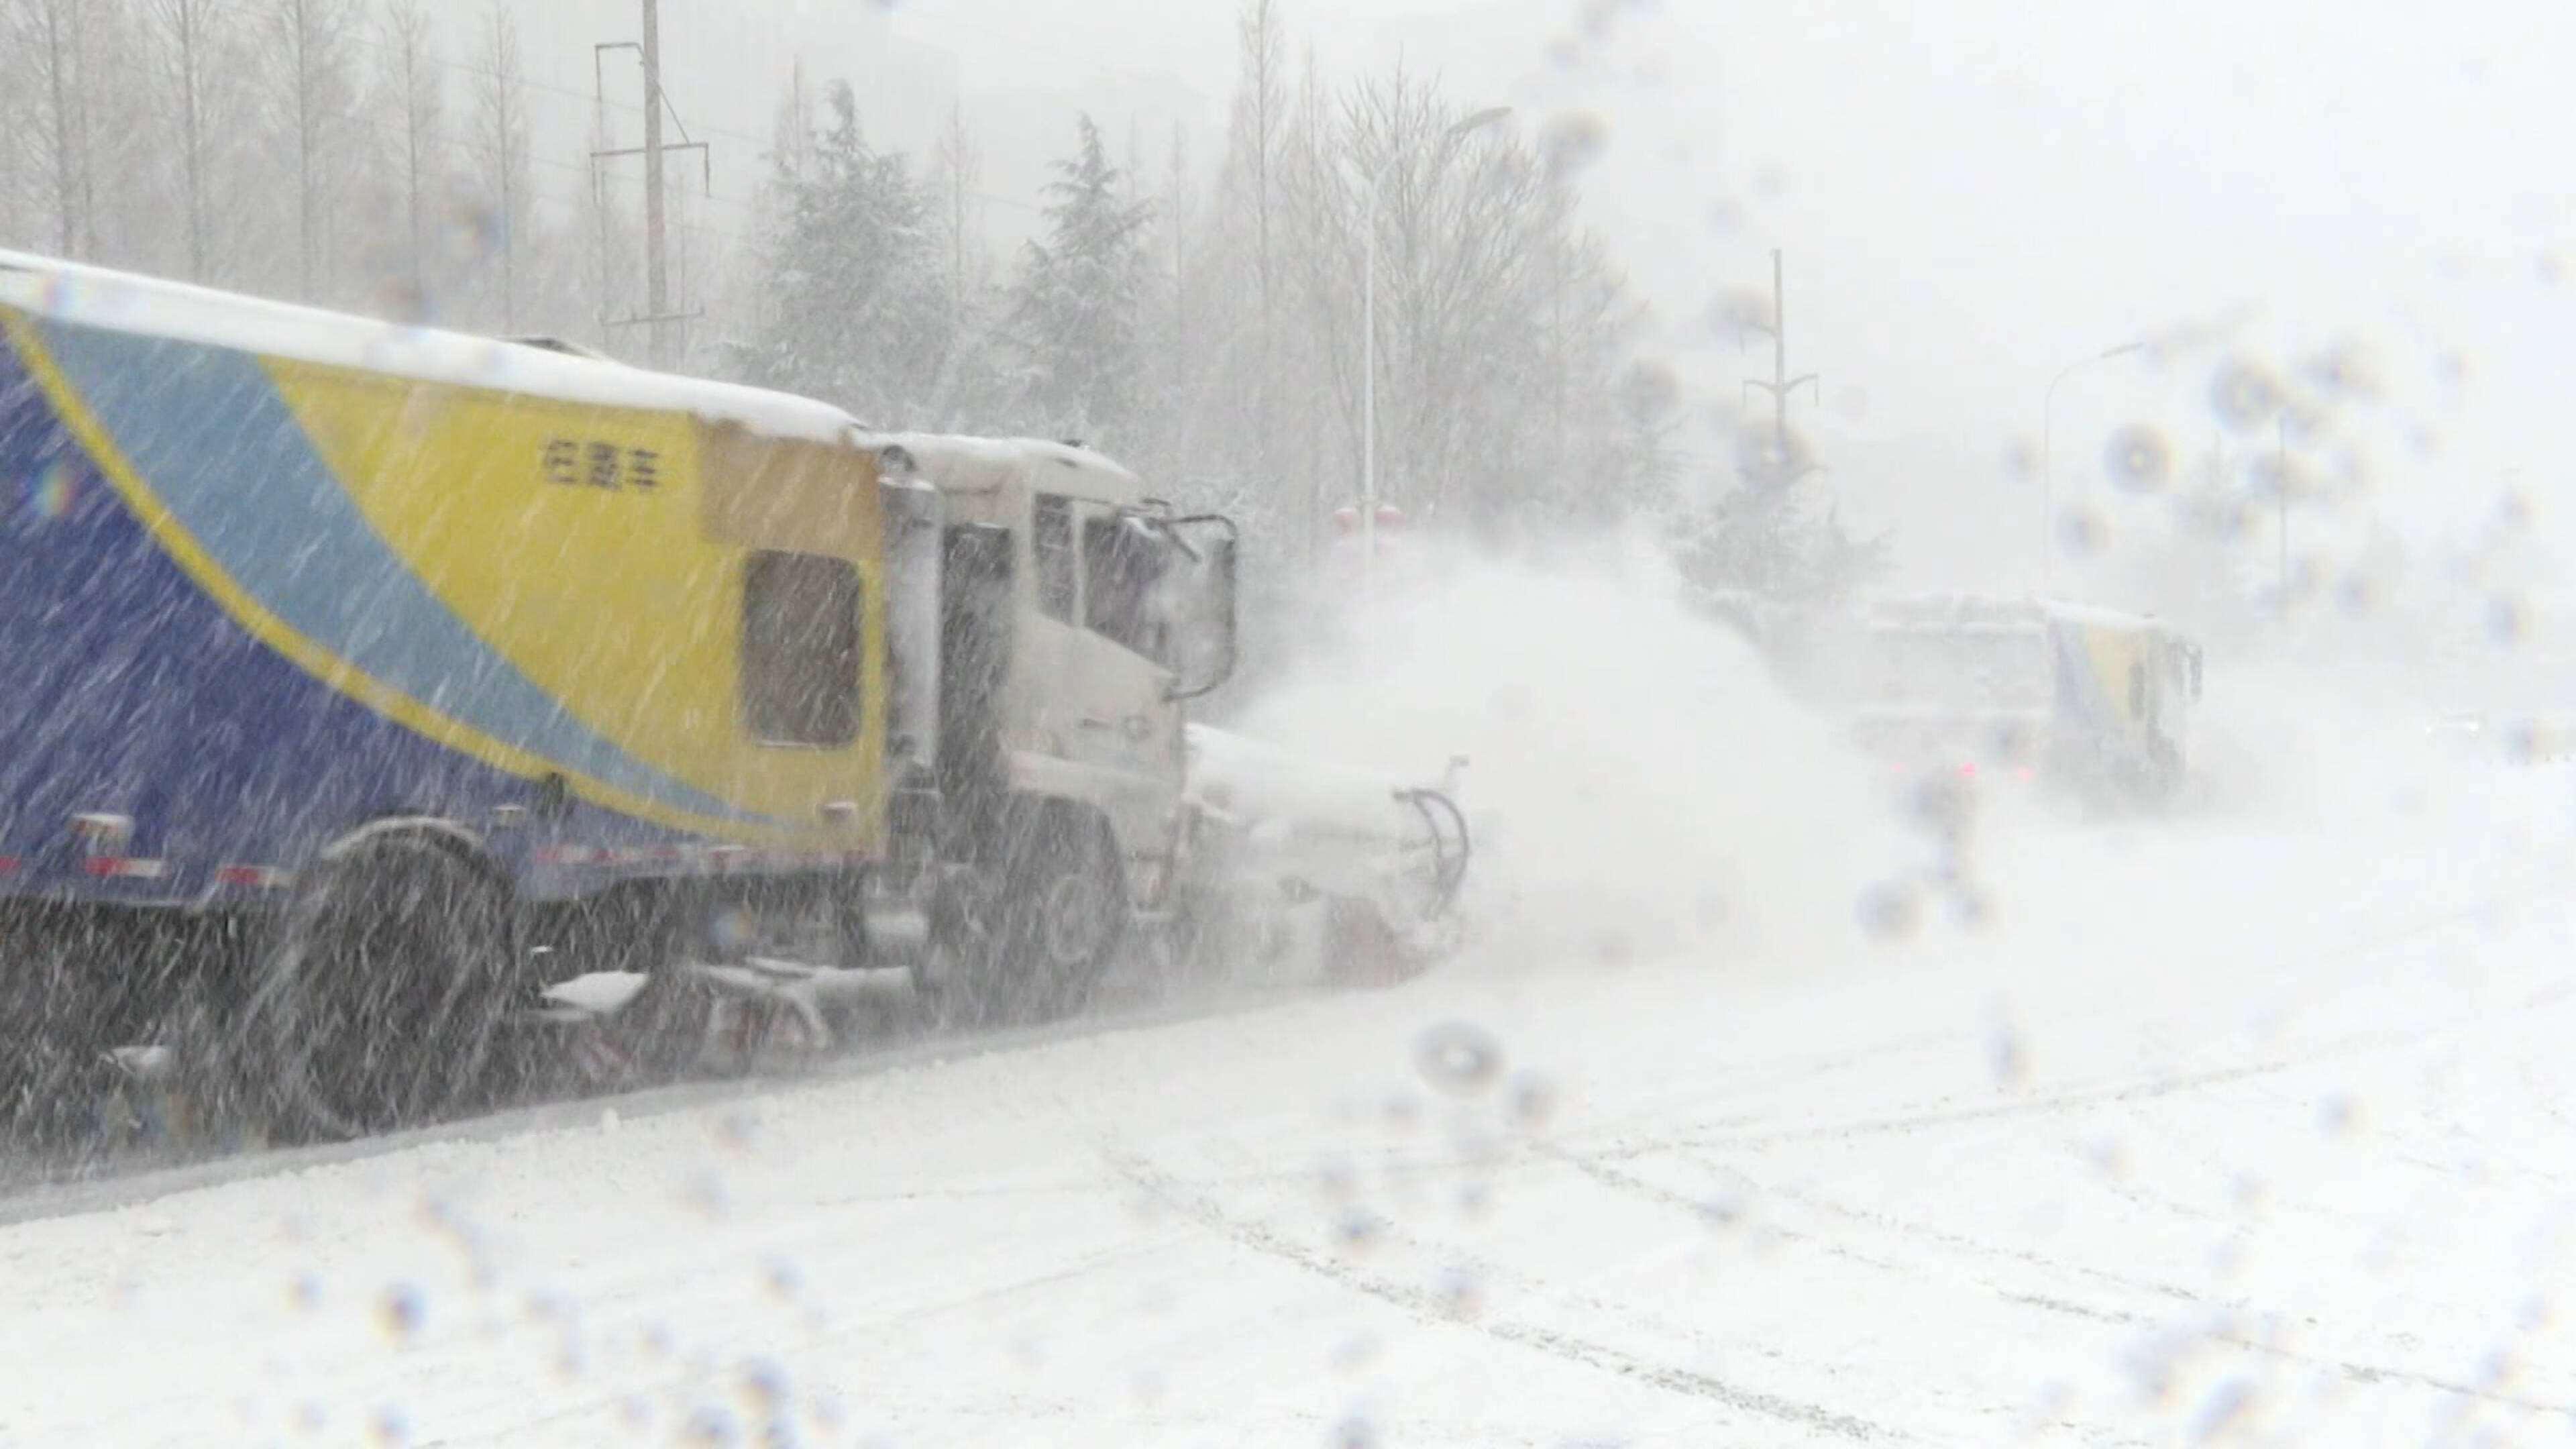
[
  {"x": 733, "y": 1011},
  {"x": 1283, "y": 847}
]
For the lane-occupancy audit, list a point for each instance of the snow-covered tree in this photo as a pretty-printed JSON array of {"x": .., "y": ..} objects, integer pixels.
[
  {"x": 1209, "y": 332},
  {"x": 1773, "y": 550},
  {"x": 1075, "y": 314},
  {"x": 857, "y": 306}
]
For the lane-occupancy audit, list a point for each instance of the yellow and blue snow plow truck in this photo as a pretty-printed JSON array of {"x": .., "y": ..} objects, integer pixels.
[
  {"x": 379, "y": 705},
  {"x": 2092, "y": 701}
]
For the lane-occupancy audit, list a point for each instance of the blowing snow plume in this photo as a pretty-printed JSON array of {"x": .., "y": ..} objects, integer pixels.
[{"x": 1638, "y": 785}]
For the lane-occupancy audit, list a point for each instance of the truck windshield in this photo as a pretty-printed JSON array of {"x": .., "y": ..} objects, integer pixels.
[{"x": 1122, "y": 569}]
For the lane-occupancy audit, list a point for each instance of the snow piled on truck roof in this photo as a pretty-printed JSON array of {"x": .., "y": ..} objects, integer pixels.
[
  {"x": 970, "y": 462},
  {"x": 1976, "y": 613},
  {"x": 89, "y": 296}
]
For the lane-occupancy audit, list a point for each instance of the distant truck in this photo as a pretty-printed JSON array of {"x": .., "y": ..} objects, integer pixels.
[
  {"x": 2093, "y": 701},
  {"x": 390, "y": 716}
]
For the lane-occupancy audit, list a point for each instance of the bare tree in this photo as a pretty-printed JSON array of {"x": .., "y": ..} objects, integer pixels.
[
  {"x": 50, "y": 41},
  {"x": 314, "y": 39},
  {"x": 184, "y": 43},
  {"x": 957, "y": 168},
  {"x": 1180, "y": 340},
  {"x": 501, "y": 141},
  {"x": 17, "y": 139},
  {"x": 413, "y": 77},
  {"x": 1317, "y": 251},
  {"x": 791, "y": 143},
  {"x": 1260, "y": 109}
]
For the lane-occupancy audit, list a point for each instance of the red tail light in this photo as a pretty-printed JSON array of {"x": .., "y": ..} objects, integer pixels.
[{"x": 261, "y": 877}]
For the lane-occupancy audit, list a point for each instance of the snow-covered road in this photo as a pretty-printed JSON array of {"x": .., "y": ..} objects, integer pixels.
[{"x": 2216, "y": 1133}]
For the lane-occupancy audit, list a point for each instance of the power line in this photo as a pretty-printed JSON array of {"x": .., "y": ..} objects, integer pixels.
[
  {"x": 917, "y": 15},
  {"x": 761, "y": 145}
]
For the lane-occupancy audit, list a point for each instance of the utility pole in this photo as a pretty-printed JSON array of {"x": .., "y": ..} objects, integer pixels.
[
  {"x": 658, "y": 314},
  {"x": 1782, "y": 470},
  {"x": 657, "y": 298}
]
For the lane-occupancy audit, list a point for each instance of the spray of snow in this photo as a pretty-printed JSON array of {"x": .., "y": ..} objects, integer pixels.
[
  {"x": 1643, "y": 788},
  {"x": 1639, "y": 786}
]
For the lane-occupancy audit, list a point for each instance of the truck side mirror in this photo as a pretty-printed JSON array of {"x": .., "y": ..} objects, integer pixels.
[{"x": 1209, "y": 646}]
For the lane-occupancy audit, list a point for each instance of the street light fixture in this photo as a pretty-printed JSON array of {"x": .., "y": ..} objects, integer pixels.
[
  {"x": 2047, "y": 462},
  {"x": 1475, "y": 121}
]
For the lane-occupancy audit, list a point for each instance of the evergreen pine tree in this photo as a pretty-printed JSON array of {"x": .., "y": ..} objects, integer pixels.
[
  {"x": 857, "y": 308},
  {"x": 1074, "y": 316}
]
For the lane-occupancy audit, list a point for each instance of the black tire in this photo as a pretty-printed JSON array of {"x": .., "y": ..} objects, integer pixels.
[
  {"x": 1073, "y": 915},
  {"x": 382, "y": 998},
  {"x": 1060, "y": 914}
]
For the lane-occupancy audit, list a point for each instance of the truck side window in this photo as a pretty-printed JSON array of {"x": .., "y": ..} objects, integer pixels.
[
  {"x": 1121, "y": 564},
  {"x": 1051, "y": 535},
  {"x": 800, "y": 649}
]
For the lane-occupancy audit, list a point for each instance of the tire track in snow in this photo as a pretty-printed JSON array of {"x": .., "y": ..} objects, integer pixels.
[
  {"x": 1757, "y": 1078},
  {"x": 1430, "y": 1307},
  {"x": 2555, "y": 884},
  {"x": 2223, "y": 1328},
  {"x": 702, "y": 1378},
  {"x": 2111, "y": 1094},
  {"x": 1622, "y": 1181}
]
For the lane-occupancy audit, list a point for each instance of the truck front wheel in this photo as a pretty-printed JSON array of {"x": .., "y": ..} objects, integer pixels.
[{"x": 1067, "y": 912}]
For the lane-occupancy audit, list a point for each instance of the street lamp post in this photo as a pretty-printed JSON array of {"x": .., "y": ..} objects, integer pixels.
[
  {"x": 1368, "y": 340},
  {"x": 2047, "y": 461}
]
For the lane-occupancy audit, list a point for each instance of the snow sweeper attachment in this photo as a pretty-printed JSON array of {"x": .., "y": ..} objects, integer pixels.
[{"x": 1289, "y": 856}]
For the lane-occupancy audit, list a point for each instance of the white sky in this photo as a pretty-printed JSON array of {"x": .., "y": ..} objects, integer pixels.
[
  {"x": 1973, "y": 192},
  {"x": 1969, "y": 193}
]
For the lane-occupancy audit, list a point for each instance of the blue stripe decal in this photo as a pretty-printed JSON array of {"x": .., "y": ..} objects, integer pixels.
[{"x": 209, "y": 434}]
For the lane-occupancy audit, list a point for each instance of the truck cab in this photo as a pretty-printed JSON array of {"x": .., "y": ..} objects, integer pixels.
[{"x": 1078, "y": 616}]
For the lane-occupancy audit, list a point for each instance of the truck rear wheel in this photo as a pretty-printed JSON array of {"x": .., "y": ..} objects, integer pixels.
[{"x": 380, "y": 1004}]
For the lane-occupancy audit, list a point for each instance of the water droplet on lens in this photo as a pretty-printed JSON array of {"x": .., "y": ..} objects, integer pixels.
[
  {"x": 2138, "y": 460},
  {"x": 1458, "y": 1058},
  {"x": 2244, "y": 395}
]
